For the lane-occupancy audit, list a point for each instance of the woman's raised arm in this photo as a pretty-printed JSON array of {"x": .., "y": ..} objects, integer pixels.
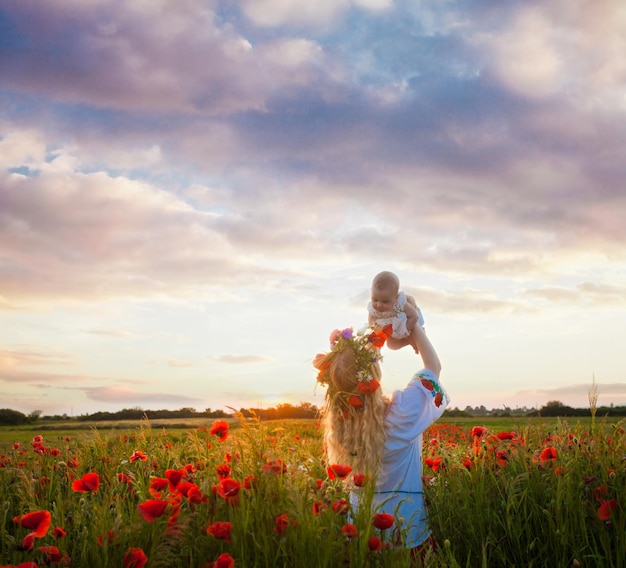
[{"x": 427, "y": 351}]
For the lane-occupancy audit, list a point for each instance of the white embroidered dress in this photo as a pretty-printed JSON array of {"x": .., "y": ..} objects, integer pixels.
[{"x": 398, "y": 489}]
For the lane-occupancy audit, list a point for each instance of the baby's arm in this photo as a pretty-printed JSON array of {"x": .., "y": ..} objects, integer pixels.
[{"x": 412, "y": 317}]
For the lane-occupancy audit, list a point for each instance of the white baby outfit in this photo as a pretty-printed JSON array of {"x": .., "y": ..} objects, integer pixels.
[{"x": 396, "y": 317}]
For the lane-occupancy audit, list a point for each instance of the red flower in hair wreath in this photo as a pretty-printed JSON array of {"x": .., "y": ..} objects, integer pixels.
[{"x": 366, "y": 345}]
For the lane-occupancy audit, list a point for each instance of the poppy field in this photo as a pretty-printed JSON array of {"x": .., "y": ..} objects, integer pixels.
[{"x": 246, "y": 493}]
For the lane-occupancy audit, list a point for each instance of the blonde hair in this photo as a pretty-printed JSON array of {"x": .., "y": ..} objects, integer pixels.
[{"x": 353, "y": 436}]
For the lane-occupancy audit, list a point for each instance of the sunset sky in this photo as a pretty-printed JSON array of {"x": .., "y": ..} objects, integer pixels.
[{"x": 195, "y": 193}]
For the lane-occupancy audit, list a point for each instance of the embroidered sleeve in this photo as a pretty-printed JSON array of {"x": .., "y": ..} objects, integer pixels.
[
  {"x": 414, "y": 408},
  {"x": 430, "y": 382}
]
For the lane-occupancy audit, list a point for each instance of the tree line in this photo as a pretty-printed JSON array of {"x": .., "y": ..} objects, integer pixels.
[
  {"x": 9, "y": 417},
  {"x": 304, "y": 410}
]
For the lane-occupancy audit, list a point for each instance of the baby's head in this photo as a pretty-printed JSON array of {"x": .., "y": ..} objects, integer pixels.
[{"x": 385, "y": 289}]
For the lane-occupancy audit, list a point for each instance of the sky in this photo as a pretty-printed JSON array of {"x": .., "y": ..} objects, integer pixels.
[{"x": 195, "y": 193}]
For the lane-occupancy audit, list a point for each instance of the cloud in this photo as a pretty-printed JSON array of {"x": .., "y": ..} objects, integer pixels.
[
  {"x": 144, "y": 57},
  {"x": 123, "y": 394},
  {"x": 177, "y": 363},
  {"x": 586, "y": 293},
  {"x": 219, "y": 151},
  {"x": 528, "y": 58},
  {"x": 28, "y": 356},
  {"x": 40, "y": 379},
  {"x": 294, "y": 12},
  {"x": 113, "y": 333},
  {"x": 615, "y": 392},
  {"x": 244, "y": 359},
  {"x": 105, "y": 237}
]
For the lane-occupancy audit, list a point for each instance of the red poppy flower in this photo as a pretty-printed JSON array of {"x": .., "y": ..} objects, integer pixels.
[
  {"x": 377, "y": 338},
  {"x": 138, "y": 455},
  {"x": 88, "y": 482},
  {"x": 360, "y": 479},
  {"x": 220, "y": 530},
  {"x": 282, "y": 523},
  {"x": 375, "y": 544},
  {"x": 319, "y": 507},
  {"x": 220, "y": 429},
  {"x": 53, "y": 555},
  {"x": 135, "y": 558},
  {"x": 152, "y": 509},
  {"x": 228, "y": 488},
  {"x": 506, "y": 435},
  {"x": 157, "y": 486},
  {"x": 502, "y": 457},
  {"x": 59, "y": 532},
  {"x": 109, "y": 537},
  {"x": 28, "y": 542},
  {"x": 606, "y": 508},
  {"x": 350, "y": 530},
  {"x": 186, "y": 487},
  {"x": 195, "y": 495},
  {"x": 224, "y": 560},
  {"x": 355, "y": 400},
  {"x": 600, "y": 492},
  {"x": 383, "y": 521},
  {"x": 341, "y": 507},
  {"x": 37, "y": 521},
  {"x": 123, "y": 478},
  {"x": 478, "y": 431},
  {"x": 249, "y": 482},
  {"x": 433, "y": 463},
  {"x": 223, "y": 471},
  {"x": 174, "y": 477},
  {"x": 548, "y": 455},
  {"x": 338, "y": 471},
  {"x": 368, "y": 387},
  {"x": 276, "y": 467}
]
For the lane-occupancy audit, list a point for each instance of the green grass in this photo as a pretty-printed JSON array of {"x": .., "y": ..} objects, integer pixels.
[{"x": 493, "y": 501}]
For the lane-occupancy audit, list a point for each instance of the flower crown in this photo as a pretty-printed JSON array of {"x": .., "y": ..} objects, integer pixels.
[{"x": 366, "y": 345}]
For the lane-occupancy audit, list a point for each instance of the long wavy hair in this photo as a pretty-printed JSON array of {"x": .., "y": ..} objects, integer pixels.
[{"x": 353, "y": 436}]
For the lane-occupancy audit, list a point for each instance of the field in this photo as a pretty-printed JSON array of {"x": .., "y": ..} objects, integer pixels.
[{"x": 501, "y": 492}]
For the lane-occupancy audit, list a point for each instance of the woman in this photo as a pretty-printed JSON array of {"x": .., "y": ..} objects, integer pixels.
[{"x": 378, "y": 436}]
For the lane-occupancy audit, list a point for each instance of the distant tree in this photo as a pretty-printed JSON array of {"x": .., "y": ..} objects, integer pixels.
[
  {"x": 35, "y": 415},
  {"x": 282, "y": 412},
  {"x": 10, "y": 417},
  {"x": 455, "y": 413},
  {"x": 557, "y": 408}
]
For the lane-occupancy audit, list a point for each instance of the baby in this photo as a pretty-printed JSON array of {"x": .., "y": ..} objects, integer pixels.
[{"x": 390, "y": 306}]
